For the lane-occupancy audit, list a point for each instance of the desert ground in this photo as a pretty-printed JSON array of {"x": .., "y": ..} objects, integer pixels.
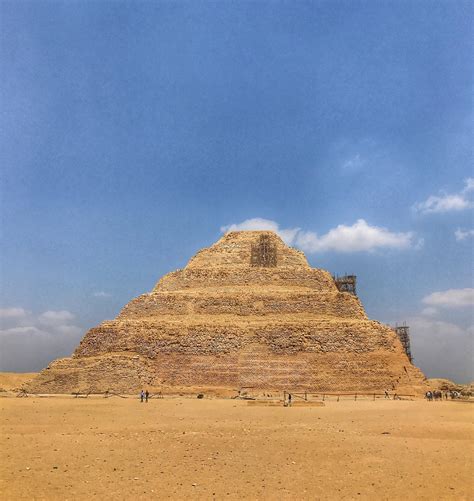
[
  {"x": 178, "y": 448},
  {"x": 11, "y": 381}
]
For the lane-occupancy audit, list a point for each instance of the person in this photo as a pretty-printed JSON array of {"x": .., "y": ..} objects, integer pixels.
[
  {"x": 142, "y": 395},
  {"x": 289, "y": 399},
  {"x": 146, "y": 396},
  {"x": 387, "y": 395}
]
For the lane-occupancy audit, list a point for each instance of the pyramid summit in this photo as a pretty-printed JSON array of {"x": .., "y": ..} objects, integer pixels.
[{"x": 248, "y": 311}]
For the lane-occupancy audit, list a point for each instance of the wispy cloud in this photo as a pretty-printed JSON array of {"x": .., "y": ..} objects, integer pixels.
[
  {"x": 353, "y": 156},
  {"x": 441, "y": 335},
  {"x": 12, "y": 312},
  {"x": 30, "y": 329},
  {"x": 429, "y": 311},
  {"x": 451, "y": 298},
  {"x": 448, "y": 202},
  {"x": 101, "y": 294},
  {"x": 359, "y": 237},
  {"x": 29, "y": 342},
  {"x": 55, "y": 317},
  {"x": 441, "y": 348},
  {"x": 354, "y": 163},
  {"x": 463, "y": 234},
  {"x": 469, "y": 185}
]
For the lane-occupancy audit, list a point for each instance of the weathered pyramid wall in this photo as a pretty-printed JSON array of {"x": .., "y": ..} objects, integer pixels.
[{"x": 226, "y": 320}]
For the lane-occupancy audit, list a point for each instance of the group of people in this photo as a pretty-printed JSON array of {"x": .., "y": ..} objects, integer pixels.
[
  {"x": 144, "y": 396},
  {"x": 438, "y": 395}
]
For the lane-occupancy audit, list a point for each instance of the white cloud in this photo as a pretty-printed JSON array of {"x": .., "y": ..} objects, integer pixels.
[
  {"x": 469, "y": 185},
  {"x": 419, "y": 244},
  {"x": 30, "y": 341},
  {"x": 442, "y": 335},
  {"x": 360, "y": 237},
  {"x": 446, "y": 202},
  {"x": 429, "y": 311},
  {"x": 101, "y": 294},
  {"x": 259, "y": 224},
  {"x": 463, "y": 235},
  {"x": 55, "y": 317},
  {"x": 447, "y": 329},
  {"x": 21, "y": 330},
  {"x": 452, "y": 298},
  {"x": 12, "y": 312},
  {"x": 68, "y": 329},
  {"x": 442, "y": 349}
]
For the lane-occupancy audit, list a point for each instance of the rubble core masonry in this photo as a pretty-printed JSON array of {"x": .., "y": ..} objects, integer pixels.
[{"x": 248, "y": 311}]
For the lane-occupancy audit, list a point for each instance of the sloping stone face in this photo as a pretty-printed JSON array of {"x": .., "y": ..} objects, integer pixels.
[{"x": 246, "y": 312}]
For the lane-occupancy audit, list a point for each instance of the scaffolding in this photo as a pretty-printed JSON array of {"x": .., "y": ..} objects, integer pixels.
[
  {"x": 347, "y": 283},
  {"x": 403, "y": 333},
  {"x": 263, "y": 253}
]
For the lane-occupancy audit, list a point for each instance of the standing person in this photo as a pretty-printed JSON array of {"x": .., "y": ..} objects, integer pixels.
[
  {"x": 289, "y": 399},
  {"x": 387, "y": 395},
  {"x": 146, "y": 396},
  {"x": 142, "y": 395}
]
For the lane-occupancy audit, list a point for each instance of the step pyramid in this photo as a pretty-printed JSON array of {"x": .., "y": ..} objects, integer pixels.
[{"x": 247, "y": 312}]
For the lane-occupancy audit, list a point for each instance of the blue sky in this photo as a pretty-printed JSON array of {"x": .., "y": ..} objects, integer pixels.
[{"x": 132, "y": 132}]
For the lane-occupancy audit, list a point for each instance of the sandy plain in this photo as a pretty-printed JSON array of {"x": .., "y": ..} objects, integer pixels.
[{"x": 183, "y": 448}]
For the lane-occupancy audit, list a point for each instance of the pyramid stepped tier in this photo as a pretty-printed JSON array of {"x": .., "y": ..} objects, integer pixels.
[
  {"x": 223, "y": 279},
  {"x": 247, "y": 312},
  {"x": 242, "y": 302},
  {"x": 310, "y": 335}
]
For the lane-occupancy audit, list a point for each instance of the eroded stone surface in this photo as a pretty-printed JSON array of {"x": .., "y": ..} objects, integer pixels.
[{"x": 234, "y": 319}]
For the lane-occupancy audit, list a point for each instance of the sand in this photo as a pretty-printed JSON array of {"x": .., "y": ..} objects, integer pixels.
[
  {"x": 14, "y": 380},
  {"x": 178, "y": 448}
]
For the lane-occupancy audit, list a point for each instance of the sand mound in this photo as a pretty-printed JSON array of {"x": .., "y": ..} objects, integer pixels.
[{"x": 11, "y": 381}]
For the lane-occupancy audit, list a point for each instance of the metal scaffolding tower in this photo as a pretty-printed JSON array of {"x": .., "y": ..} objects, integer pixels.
[
  {"x": 347, "y": 283},
  {"x": 264, "y": 253},
  {"x": 403, "y": 333}
]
